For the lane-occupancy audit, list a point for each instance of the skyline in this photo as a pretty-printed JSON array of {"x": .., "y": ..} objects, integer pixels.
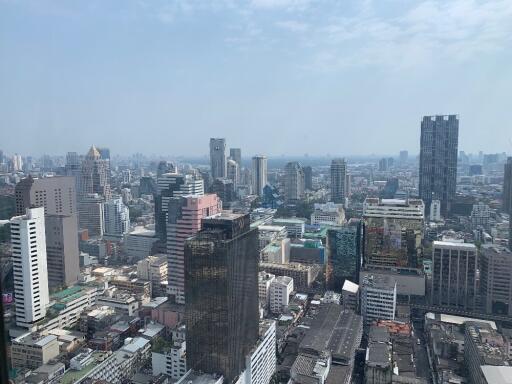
[{"x": 272, "y": 76}]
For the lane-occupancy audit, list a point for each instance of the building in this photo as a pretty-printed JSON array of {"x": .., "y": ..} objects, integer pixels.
[
  {"x": 280, "y": 290},
  {"x": 95, "y": 175},
  {"x": 344, "y": 254},
  {"x": 378, "y": 367},
  {"x": 122, "y": 302},
  {"x": 483, "y": 347},
  {"x": 293, "y": 182},
  {"x": 264, "y": 281},
  {"x": 393, "y": 232},
  {"x": 507, "y": 186},
  {"x": 171, "y": 360},
  {"x": 117, "y": 218},
  {"x": 438, "y": 160},
  {"x": 269, "y": 233},
  {"x": 435, "y": 211},
  {"x": 480, "y": 216},
  {"x": 496, "y": 279},
  {"x": 350, "y": 295},
  {"x": 303, "y": 275},
  {"x": 261, "y": 363},
  {"x": 338, "y": 178},
  {"x": 221, "y": 295},
  {"x": 259, "y": 174},
  {"x": 294, "y": 226},
  {"x": 91, "y": 214},
  {"x": 32, "y": 350},
  {"x": 139, "y": 243},
  {"x": 236, "y": 154},
  {"x": 154, "y": 269},
  {"x": 233, "y": 172},
  {"x": 225, "y": 189},
  {"x": 62, "y": 254},
  {"x": 328, "y": 214},
  {"x": 308, "y": 177},
  {"x": 29, "y": 267},
  {"x": 218, "y": 157},
  {"x": 454, "y": 270},
  {"x": 183, "y": 221},
  {"x": 404, "y": 157},
  {"x": 378, "y": 297}
]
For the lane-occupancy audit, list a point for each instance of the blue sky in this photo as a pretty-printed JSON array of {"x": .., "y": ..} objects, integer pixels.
[{"x": 272, "y": 76}]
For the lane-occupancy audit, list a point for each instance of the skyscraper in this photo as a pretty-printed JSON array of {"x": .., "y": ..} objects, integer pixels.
[
  {"x": 308, "y": 177},
  {"x": 218, "y": 157},
  {"x": 117, "y": 217},
  {"x": 507, "y": 186},
  {"x": 404, "y": 157},
  {"x": 233, "y": 171},
  {"x": 259, "y": 174},
  {"x": 236, "y": 154},
  {"x": 221, "y": 295},
  {"x": 184, "y": 220},
  {"x": 91, "y": 215},
  {"x": 338, "y": 180},
  {"x": 438, "y": 160},
  {"x": 29, "y": 267},
  {"x": 95, "y": 175},
  {"x": 293, "y": 182}
]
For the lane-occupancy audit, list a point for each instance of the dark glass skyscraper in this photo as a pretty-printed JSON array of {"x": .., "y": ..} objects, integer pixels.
[
  {"x": 507, "y": 187},
  {"x": 438, "y": 160},
  {"x": 338, "y": 180},
  {"x": 308, "y": 178},
  {"x": 221, "y": 295}
]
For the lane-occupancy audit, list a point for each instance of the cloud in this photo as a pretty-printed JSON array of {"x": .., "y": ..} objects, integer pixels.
[{"x": 292, "y": 25}]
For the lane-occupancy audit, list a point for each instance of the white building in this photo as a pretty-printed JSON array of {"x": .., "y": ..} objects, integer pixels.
[
  {"x": 435, "y": 211},
  {"x": 378, "y": 298},
  {"x": 261, "y": 364},
  {"x": 29, "y": 267},
  {"x": 280, "y": 289},
  {"x": 171, "y": 362},
  {"x": 328, "y": 214},
  {"x": 91, "y": 214},
  {"x": 480, "y": 215},
  {"x": 294, "y": 226},
  {"x": 269, "y": 233},
  {"x": 264, "y": 281},
  {"x": 139, "y": 243},
  {"x": 259, "y": 174},
  {"x": 154, "y": 269},
  {"x": 117, "y": 217}
]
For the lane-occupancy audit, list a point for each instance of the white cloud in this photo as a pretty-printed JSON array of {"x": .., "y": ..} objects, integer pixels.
[{"x": 292, "y": 25}]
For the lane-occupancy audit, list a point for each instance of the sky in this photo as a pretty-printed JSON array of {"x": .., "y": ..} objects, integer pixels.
[{"x": 342, "y": 77}]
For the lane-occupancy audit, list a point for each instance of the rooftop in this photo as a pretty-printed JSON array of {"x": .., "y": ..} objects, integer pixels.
[
  {"x": 350, "y": 286},
  {"x": 454, "y": 245},
  {"x": 497, "y": 374}
]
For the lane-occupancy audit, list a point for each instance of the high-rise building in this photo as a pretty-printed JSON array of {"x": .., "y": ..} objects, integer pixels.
[
  {"x": 454, "y": 266},
  {"x": 91, "y": 214},
  {"x": 259, "y": 174},
  {"x": 480, "y": 216},
  {"x": 62, "y": 250},
  {"x": 218, "y": 157},
  {"x": 184, "y": 220},
  {"x": 378, "y": 297},
  {"x": 338, "y": 180},
  {"x": 404, "y": 157},
  {"x": 165, "y": 167},
  {"x": 225, "y": 189},
  {"x": 344, "y": 254},
  {"x": 95, "y": 174},
  {"x": 221, "y": 295},
  {"x": 308, "y": 178},
  {"x": 236, "y": 154},
  {"x": 233, "y": 172},
  {"x": 507, "y": 186},
  {"x": 117, "y": 217},
  {"x": 29, "y": 267},
  {"x": 438, "y": 160},
  {"x": 293, "y": 182},
  {"x": 393, "y": 232},
  {"x": 496, "y": 279},
  {"x": 435, "y": 210}
]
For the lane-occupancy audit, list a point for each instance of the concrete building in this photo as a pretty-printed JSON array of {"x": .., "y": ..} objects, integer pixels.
[
  {"x": 454, "y": 268},
  {"x": 308, "y": 178},
  {"x": 170, "y": 360},
  {"x": 294, "y": 226},
  {"x": 117, "y": 218},
  {"x": 261, "y": 363},
  {"x": 33, "y": 350},
  {"x": 393, "y": 232},
  {"x": 435, "y": 211},
  {"x": 496, "y": 279},
  {"x": 154, "y": 269},
  {"x": 91, "y": 214},
  {"x": 269, "y": 233},
  {"x": 264, "y": 281},
  {"x": 350, "y": 295},
  {"x": 480, "y": 216},
  {"x": 218, "y": 157},
  {"x": 328, "y": 214},
  {"x": 184, "y": 220},
  {"x": 378, "y": 368},
  {"x": 95, "y": 175},
  {"x": 233, "y": 172},
  {"x": 507, "y": 186},
  {"x": 236, "y": 154},
  {"x": 29, "y": 267},
  {"x": 122, "y": 302},
  {"x": 280, "y": 290},
  {"x": 276, "y": 252},
  {"x": 378, "y": 298},
  {"x": 139, "y": 243},
  {"x": 259, "y": 174},
  {"x": 338, "y": 180},
  {"x": 438, "y": 160},
  {"x": 294, "y": 184},
  {"x": 303, "y": 275}
]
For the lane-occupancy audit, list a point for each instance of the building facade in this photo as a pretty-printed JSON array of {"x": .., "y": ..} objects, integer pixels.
[
  {"x": 95, "y": 174},
  {"x": 218, "y": 157},
  {"x": 378, "y": 298},
  {"x": 293, "y": 182},
  {"x": 259, "y": 174},
  {"x": 496, "y": 279},
  {"x": 117, "y": 218},
  {"x": 338, "y": 178}
]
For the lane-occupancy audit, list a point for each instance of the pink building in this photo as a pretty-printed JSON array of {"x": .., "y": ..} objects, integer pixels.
[{"x": 184, "y": 217}]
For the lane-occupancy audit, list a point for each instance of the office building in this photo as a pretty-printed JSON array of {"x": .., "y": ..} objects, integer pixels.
[
  {"x": 139, "y": 243},
  {"x": 344, "y": 254},
  {"x": 293, "y": 182},
  {"x": 328, "y": 214},
  {"x": 261, "y": 363},
  {"x": 280, "y": 290},
  {"x": 62, "y": 250},
  {"x": 480, "y": 216},
  {"x": 393, "y": 232},
  {"x": 259, "y": 174},
  {"x": 29, "y": 267},
  {"x": 378, "y": 297},
  {"x": 438, "y": 160},
  {"x": 295, "y": 227},
  {"x": 218, "y": 157},
  {"x": 236, "y": 154},
  {"x": 233, "y": 172},
  {"x": 308, "y": 177},
  {"x": 117, "y": 218},
  {"x": 264, "y": 281},
  {"x": 95, "y": 175},
  {"x": 507, "y": 186},
  {"x": 221, "y": 295},
  {"x": 91, "y": 214},
  {"x": 338, "y": 180},
  {"x": 435, "y": 211},
  {"x": 496, "y": 279},
  {"x": 454, "y": 269},
  {"x": 184, "y": 220}
]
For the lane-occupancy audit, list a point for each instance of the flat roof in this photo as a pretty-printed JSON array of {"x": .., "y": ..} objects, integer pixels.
[
  {"x": 455, "y": 245},
  {"x": 457, "y": 320},
  {"x": 350, "y": 286},
  {"x": 497, "y": 374}
]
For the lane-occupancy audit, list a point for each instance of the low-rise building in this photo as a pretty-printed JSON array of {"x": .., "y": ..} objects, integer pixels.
[
  {"x": 32, "y": 350},
  {"x": 378, "y": 297},
  {"x": 303, "y": 275},
  {"x": 280, "y": 290},
  {"x": 294, "y": 226},
  {"x": 139, "y": 243},
  {"x": 122, "y": 302},
  {"x": 269, "y": 233},
  {"x": 264, "y": 281},
  {"x": 328, "y": 214}
]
